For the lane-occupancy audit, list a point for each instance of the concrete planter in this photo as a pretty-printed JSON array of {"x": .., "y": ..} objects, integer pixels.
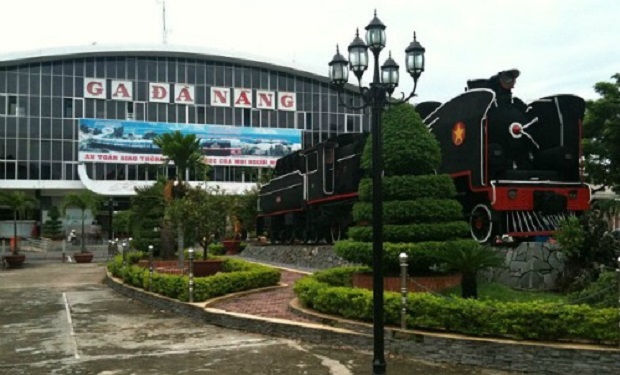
[
  {"x": 83, "y": 257},
  {"x": 207, "y": 267},
  {"x": 233, "y": 247},
  {"x": 415, "y": 284},
  {"x": 14, "y": 260}
]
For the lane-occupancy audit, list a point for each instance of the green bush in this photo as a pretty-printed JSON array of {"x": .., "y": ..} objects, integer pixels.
[
  {"x": 238, "y": 276},
  {"x": 421, "y": 255},
  {"x": 414, "y": 232},
  {"x": 409, "y": 148},
  {"x": 423, "y": 210},
  {"x": 534, "y": 320},
  {"x": 601, "y": 293},
  {"x": 410, "y": 187}
]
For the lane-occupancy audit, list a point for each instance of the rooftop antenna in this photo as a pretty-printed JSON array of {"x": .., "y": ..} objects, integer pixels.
[{"x": 163, "y": 16}]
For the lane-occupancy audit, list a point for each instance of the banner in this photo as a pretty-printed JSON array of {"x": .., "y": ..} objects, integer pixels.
[{"x": 131, "y": 142}]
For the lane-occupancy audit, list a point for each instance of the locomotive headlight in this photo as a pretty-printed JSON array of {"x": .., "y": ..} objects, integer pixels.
[
  {"x": 512, "y": 194},
  {"x": 572, "y": 194}
]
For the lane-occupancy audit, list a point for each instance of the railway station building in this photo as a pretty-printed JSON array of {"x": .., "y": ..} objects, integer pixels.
[{"x": 84, "y": 118}]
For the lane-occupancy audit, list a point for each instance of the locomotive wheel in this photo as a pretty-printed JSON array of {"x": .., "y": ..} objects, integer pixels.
[
  {"x": 335, "y": 231},
  {"x": 310, "y": 236},
  {"x": 481, "y": 225}
]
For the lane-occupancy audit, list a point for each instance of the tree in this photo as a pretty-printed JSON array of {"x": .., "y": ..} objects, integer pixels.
[
  {"x": 186, "y": 153},
  {"x": 469, "y": 260},
  {"x": 19, "y": 203},
  {"x": 202, "y": 212},
  {"x": 148, "y": 209},
  {"x": 601, "y": 142},
  {"x": 52, "y": 228},
  {"x": 182, "y": 150},
  {"x": 588, "y": 247},
  {"x": 421, "y": 215},
  {"x": 85, "y": 200}
]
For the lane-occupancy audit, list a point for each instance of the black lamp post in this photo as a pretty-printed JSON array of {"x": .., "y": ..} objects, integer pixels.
[
  {"x": 377, "y": 97},
  {"x": 111, "y": 204}
]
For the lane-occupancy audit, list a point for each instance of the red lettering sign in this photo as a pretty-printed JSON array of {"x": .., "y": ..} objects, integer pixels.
[
  {"x": 264, "y": 100},
  {"x": 159, "y": 93},
  {"x": 243, "y": 98},
  {"x": 220, "y": 97},
  {"x": 286, "y": 101},
  {"x": 94, "y": 88},
  {"x": 184, "y": 94},
  {"x": 122, "y": 90}
]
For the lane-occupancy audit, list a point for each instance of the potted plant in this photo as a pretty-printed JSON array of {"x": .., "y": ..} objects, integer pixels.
[
  {"x": 85, "y": 200},
  {"x": 18, "y": 202},
  {"x": 202, "y": 212}
]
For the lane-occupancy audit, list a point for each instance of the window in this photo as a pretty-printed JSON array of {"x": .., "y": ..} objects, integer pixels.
[
  {"x": 247, "y": 117},
  {"x": 67, "y": 108},
  {"x": 312, "y": 162},
  {"x": 353, "y": 123},
  {"x": 12, "y": 105},
  {"x": 129, "y": 111}
]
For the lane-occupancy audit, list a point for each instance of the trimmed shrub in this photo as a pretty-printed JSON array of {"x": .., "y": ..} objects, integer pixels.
[
  {"x": 413, "y": 232},
  {"x": 534, "y": 320},
  {"x": 421, "y": 255},
  {"x": 423, "y": 210},
  {"x": 409, "y": 148},
  {"x": 399, "y": 188},
  {"x": 239, "y": 276}
]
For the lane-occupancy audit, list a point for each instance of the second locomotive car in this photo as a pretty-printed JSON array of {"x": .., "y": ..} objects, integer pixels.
[{"x": 312, "y": 191}]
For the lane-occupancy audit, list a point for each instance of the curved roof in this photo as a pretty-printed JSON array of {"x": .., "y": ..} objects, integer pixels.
[{"x": 158, "y": 50}]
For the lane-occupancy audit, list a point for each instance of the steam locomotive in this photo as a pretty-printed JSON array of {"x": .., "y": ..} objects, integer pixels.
[{"x": 515, "y": 167}]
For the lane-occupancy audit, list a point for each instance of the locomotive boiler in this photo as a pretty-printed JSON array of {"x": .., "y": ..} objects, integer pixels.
[{"x": 516, "y": 166}]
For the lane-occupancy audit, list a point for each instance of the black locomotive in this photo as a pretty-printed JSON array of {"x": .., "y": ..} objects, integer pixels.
[{"x": 515, "y": 166}]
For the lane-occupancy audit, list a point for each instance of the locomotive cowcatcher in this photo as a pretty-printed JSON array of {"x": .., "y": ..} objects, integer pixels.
[{"x": 516, "y": 166}]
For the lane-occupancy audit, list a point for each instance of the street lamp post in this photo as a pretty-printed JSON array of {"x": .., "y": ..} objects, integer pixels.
[
  {"x": 111, "y": 204},
  {"x": 377, "y": 97}
]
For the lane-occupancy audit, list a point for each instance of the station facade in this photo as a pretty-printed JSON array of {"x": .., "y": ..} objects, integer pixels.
[{"x": 84, "y": 118}]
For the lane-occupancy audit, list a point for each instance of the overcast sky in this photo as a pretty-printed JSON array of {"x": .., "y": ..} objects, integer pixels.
[{"x": 560, "y": 46}]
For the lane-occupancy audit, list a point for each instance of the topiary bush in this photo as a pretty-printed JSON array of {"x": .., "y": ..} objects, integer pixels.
[{"x": 421, "y": 216}]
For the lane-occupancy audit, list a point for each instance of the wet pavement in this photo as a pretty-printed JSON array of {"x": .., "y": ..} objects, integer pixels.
[{"x": 58, "y": 318}]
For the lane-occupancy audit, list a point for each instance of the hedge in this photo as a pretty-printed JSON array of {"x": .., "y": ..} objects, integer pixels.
[
  {"x": 421, "y": 210},
  {"x": 402, "y": 188},
  {"x": 421, "y": 255},
  {"x": 534, "y": 320},
  {"x": 414, "y": 232},
  {"x": 238, "y": 276}
]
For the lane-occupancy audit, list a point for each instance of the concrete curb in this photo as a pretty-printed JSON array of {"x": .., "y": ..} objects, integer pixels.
[{"x": 500, "y": 354}]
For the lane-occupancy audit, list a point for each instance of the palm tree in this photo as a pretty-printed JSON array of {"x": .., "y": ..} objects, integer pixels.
[
  {"x": 186, "y": 153},
  {"x": 469, "y": 260},
  {"x": 85, "y": 200},
  {"x": 182, "y": 150},
  {"x": 18, "y": 202}
]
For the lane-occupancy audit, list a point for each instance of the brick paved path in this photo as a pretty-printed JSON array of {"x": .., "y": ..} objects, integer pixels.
[{"x": 270, "y": 304}]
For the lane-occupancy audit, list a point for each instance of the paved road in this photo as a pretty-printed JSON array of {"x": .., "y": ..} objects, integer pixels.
[{"x": 59, "y": 319}]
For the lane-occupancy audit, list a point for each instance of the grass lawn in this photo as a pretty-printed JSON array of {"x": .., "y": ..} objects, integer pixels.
[{"x": 500, "y": 292}]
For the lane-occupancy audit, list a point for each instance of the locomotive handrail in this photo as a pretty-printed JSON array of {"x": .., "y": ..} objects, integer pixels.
[
  {"x": 282, "y": 189},
  {"x": 535, "y": 182},
  {"x": 347, "y": 158},
  {"x": 284, "y": 175}
]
